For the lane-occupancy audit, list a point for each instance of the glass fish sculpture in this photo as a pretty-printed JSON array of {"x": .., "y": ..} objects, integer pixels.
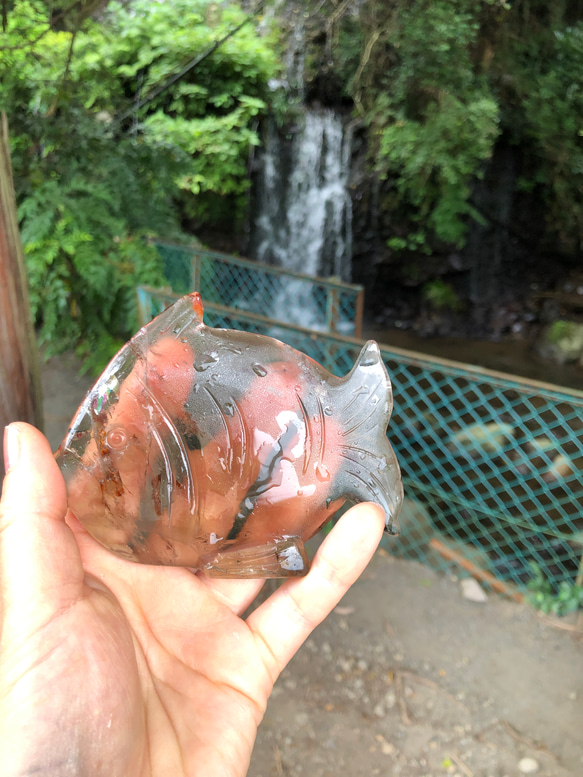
[{"x": 225, "y": 451}]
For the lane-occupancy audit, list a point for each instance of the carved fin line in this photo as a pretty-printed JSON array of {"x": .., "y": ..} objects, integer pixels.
[
  {"x": 363, "y": 481},
  {"x": 360, "y": 390},
  {"x": 381, "y": 487},
  {"x": 364, "y": 420},
  {"x": 169, "y": 473},
  {"x": 323, "y": 430},
  {"x": 308, "y": 448},
  {"x": 224, "y": 420},
  {"x": 191, "y": 482},
  {"x": 244, "y": 438}
]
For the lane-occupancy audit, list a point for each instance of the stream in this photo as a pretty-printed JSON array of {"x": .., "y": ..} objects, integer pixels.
[{"x": 514, "y": 357}]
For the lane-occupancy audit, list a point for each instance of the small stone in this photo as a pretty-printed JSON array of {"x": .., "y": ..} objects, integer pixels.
[
  {"x": 527, "y": 766},
  {"x": 343, "y": 610},
  {"x": 379, "y": 711},
  {"x": 472, "y": 590},
  {"x": 387, "y": 748}
]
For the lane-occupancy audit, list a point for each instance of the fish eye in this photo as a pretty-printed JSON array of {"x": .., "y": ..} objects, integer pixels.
[{"x": 116, "y": 439}]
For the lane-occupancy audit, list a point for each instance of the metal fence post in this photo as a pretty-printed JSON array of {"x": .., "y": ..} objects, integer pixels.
[
  {"x": 195, "y": 272},
  {"x": 332, "y": 309},
  {"x": 358, "y": 314}
]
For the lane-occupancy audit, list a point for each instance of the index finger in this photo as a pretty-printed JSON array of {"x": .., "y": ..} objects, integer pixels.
[{"x": 282, "y": 623}]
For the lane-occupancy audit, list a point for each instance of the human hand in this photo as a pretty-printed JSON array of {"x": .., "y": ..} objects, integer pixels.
[{"x": 120, "y": 669}]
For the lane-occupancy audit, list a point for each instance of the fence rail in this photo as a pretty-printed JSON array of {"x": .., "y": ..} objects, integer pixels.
[
  {"x": 324, "y": 304},
  {"x": 492, "y": 464}
]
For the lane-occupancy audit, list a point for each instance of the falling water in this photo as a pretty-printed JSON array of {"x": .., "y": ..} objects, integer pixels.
[{"x": 303, "y": 214}]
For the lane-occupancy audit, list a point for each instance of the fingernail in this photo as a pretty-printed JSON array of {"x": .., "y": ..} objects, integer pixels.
[{"x": 11, "y": 447}]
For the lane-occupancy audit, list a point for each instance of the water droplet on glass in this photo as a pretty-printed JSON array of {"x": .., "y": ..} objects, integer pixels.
[
  {"x": 327, "y": 411},
  {"x": 374, "y": 400},
  {"x": 300, "y": 492},
  {"x": 259, "y": 370},
  {"x": 229, "y": 408},
  {"x": 322, "y": 472},
  {"x": 316, "y": 419},
  {"x": 361, "y": 455},
  {"x": 203, "y": 361}
]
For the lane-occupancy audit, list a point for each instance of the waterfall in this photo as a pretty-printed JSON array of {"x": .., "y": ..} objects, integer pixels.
[
  {"x": 303, "y": 217},
  {"x": 303, "y": 208}
]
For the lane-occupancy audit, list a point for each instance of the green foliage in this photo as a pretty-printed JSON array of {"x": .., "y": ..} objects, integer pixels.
[
  {"x": 543, "y": 597},
  {"x": 413, "y": 242},
  {"x": 435, "y": 159},
  {"x": 561, "y": 330},
  {"x": 209, "y": 113},
  {"x": 552, "y": 89},
  {"x": 83, "y": 265},
  {"x": 439, "y": 81},
  {"x": 441, "y": 295},
  {"x": 435, "y": 119},
  {"x": 95, "y": 174}
]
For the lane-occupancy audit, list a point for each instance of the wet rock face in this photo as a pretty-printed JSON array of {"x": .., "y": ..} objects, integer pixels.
[{"x": 495, "y": 276}]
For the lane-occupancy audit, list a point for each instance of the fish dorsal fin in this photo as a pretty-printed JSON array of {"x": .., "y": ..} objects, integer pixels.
[
  {"x": 369, "y": 470},
  {"x": 196, "y": 302},
  {"x": 368, "y": 393}
]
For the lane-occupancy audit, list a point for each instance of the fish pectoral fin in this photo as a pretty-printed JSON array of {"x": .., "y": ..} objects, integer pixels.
[{"x": 279, "y": 558}]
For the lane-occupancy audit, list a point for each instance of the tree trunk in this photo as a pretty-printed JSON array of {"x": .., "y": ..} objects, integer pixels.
[{"x": 20, "y": 391}]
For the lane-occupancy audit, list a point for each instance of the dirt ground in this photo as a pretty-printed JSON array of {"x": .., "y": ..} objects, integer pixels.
[{"x": 408, "y": 678}]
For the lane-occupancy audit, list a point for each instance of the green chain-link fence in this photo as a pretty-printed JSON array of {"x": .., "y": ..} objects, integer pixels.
[
  {"x": 491, "y": 464},
  {"x": 319, "y": 303}
]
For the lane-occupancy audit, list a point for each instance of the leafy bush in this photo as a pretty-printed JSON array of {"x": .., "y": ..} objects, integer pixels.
[
  {"x": 95, "y": 173},
  {"x": 542, "y": 596},
  {"x": 435, "y": 119},
  {"x": 552, "y": 88},
  {"x": 441, "y": 295},
  {"x": 83, "y": 265}
]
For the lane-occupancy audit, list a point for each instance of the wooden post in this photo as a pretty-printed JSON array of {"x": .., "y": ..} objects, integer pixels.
[{"x": 20, "y": 388}]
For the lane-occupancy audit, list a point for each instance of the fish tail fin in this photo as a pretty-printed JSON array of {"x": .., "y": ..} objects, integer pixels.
[{"x": 369, "y": 469}]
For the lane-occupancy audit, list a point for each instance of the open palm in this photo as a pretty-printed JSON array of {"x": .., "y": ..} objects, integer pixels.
[{"x": 114, "y": 668}]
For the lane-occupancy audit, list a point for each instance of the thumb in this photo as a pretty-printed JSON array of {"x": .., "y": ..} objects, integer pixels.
[{"x": 40, "y": 567}]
